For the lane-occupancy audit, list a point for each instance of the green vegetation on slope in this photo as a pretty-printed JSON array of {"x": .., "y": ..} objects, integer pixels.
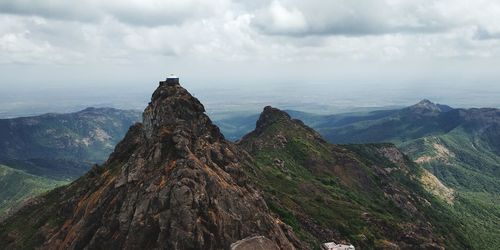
[
  {"x": 63, "y": 146},
  {"x": 480, "y": 214},
  {"x": 17, "y": 186},
  {"x": 46, "y": 151},
  {"x": 461, "y": 147},
  {"x": 353, "y": 194},
  {"x": 470, "y": 168},
  {"x": 458, "y": 159}
]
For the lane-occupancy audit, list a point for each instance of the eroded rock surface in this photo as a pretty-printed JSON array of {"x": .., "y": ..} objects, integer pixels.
[
  {"x": 254, "y": 243},
  {"x": 174, "y": 182}
]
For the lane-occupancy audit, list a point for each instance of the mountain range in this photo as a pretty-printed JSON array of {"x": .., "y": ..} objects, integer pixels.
[
  {"x": 41, "y": 152},
  {"x": 175, "y": 182},
  {"x": 458, "y": 149},
  {"x": 63, "y": 146},
  {"x": 367, "y": 194}
]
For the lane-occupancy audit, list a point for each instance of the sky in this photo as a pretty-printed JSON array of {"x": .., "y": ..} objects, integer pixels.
[{"x": 59, "y": 54}]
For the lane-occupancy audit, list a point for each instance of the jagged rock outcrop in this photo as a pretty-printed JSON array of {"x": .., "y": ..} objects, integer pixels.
[
  {"x": 272, "y": 115},
  {"x": 174, "y": 182},
  {"x": 255, "y": 140}
]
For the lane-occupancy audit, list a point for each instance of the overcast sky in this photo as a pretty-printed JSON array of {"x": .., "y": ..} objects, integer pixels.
[{"x": 61, "y": 46}]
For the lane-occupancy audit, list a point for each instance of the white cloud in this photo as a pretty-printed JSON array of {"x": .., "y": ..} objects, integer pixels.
[
  {"x": 135, "y": 12},
  {"x": 355, "y": 17},
  {"x": 279, "y": 19},
  {"x": 281, "y": 31}
]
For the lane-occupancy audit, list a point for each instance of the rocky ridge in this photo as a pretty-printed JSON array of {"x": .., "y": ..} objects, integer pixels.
[
  {"x": 367, "y": 195},
  {"x": 173, "y": 182}
]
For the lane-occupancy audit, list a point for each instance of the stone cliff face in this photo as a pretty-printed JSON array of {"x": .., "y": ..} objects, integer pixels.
[{"x": 174, "y": 182}]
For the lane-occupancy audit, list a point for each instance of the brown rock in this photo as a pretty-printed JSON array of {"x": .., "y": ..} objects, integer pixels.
[
  {"x": 254, "y": 243},
  {"x": 174, "y": 182}
]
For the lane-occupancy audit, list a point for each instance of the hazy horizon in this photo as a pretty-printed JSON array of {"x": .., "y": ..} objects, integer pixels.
[
  {"x": 235, "y": 55},
  {"x": 309, "y": 97}
]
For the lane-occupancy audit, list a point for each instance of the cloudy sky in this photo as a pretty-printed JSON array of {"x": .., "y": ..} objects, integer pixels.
[{"x": 441, "y": 49}]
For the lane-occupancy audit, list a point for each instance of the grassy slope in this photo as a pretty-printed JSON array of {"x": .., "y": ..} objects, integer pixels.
[
  {"x": 330, "y": 187},
  {"x": 473, "y": 172},
  {"x": 471, "y": 169},
  {"x": 17, "y": 186},
  {"x": 470, "y": 163},
  {"x": 480, "y": 213}
]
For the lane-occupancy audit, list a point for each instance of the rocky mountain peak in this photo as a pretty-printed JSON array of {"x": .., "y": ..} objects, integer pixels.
[
  {"x": 269, "y": 116},
  {"x": 274, "y": 127},
  {"x": 173, "y": 182},
  {"x": 426, "y": 104},
  {"x": 272, "y": 115},
  {"x": 426, "y": 107},
  {"x": 173, "y": 107}
]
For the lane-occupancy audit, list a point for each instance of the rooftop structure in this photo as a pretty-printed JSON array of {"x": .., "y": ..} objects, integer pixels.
[
  {"x": 334, "y": 246},
  {"x": 172, "y": 79}
]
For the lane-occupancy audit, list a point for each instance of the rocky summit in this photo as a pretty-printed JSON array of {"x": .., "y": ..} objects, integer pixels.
[
  {"x": 426, "y": 107},
  {"x": 173, "y": 182}
]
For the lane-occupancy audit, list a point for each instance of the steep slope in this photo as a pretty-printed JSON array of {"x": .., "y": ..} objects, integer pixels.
[
  {"x": 368, "y": 195},
  {"x": 16, "y": 186},
  {"x": 460, "y": 159},
  {"x": 469, "y": 167},
  {"x": 173, "y": 182},
  {"x": 459, "y": 146},
  {"x": 63, "y": 146}
]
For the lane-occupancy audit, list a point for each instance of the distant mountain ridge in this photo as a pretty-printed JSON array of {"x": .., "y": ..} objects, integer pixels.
[
  {"x": 474, "y": 134},
  {"x": 427, "y": 107},
  {"x": 42, "y": 152},
  {"x": 175, "y": 182},
  {"x": 63, "y": 145},
  {"x": 422, "y": 119},
  {"x": 461, "y": 147}
]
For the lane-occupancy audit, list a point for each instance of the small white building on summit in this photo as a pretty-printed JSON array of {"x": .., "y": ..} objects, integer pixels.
[{"x": 172, "y": 79}]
